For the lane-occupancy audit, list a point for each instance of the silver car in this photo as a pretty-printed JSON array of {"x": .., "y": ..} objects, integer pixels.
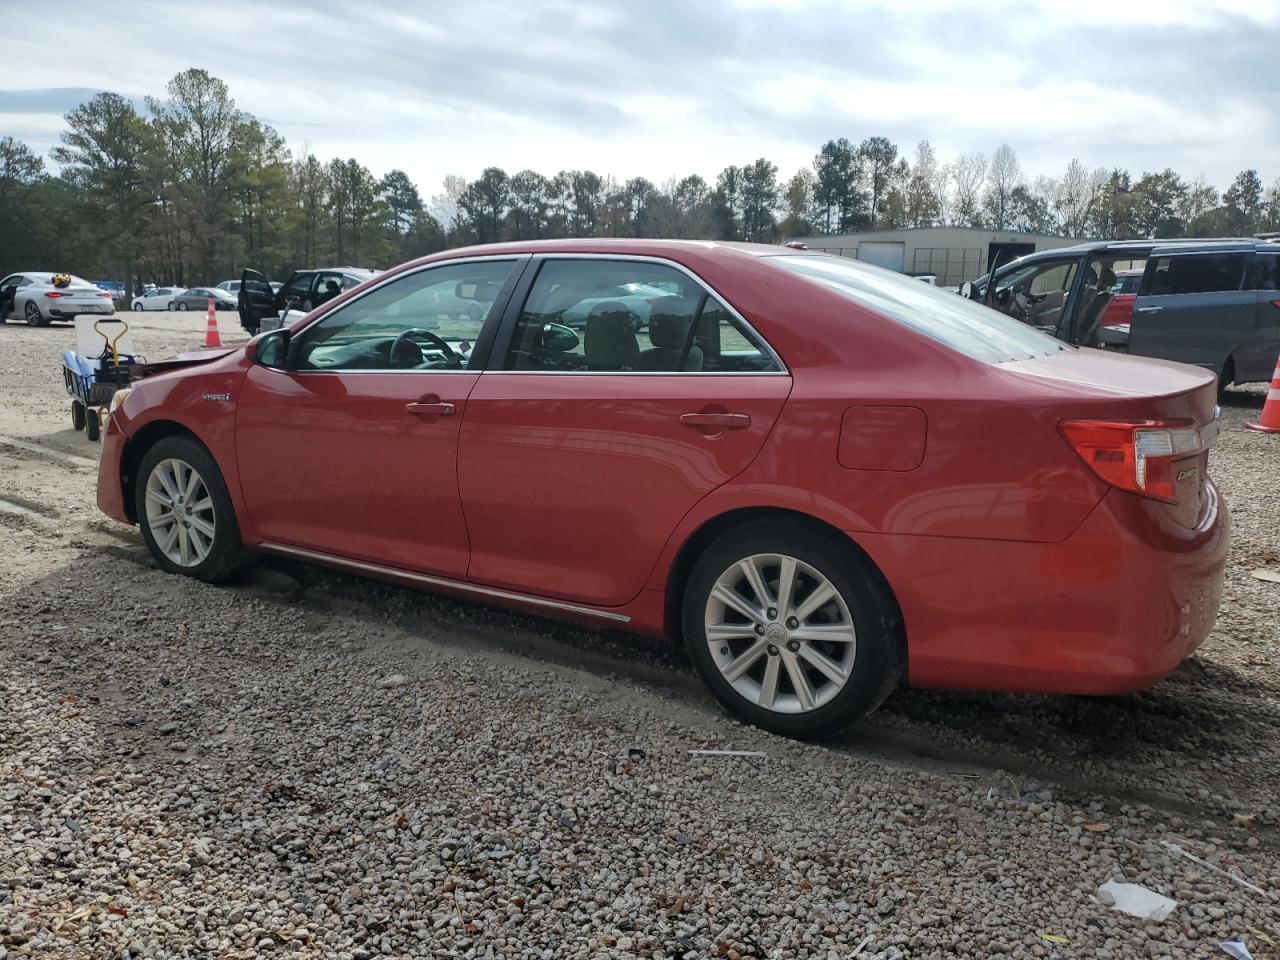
[
  {"x": 197, "y": 298},
  {"x": 35, "y": 298}
]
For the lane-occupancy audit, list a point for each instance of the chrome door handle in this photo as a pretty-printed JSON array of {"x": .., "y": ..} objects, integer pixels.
[
  {"x": 436, "y": 408},
  {"x": 718, "y": 421},
  {"x": 1149, "y": 309}
]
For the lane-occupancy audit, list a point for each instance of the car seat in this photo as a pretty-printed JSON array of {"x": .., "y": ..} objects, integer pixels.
[
  {"x": 669, "y": 327},
  {"x": 610, "y": 341},
  {"x": 1091, "y": 313}
]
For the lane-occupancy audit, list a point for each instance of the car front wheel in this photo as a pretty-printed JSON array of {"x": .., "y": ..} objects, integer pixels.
[
  {"x": 185, "y": 512},
  {"x": 792, "y": 628}
]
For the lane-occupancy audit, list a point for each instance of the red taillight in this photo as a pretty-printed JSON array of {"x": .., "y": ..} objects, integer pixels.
[
  {"x": 1276, "y": 304},
  {"x": 106, "y": 295},
  {"x": 1136, "y": 455},
  {"x": 53, "y": 294}
]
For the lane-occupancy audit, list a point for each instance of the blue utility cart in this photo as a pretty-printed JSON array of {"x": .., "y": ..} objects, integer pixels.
[{"x": 101, "y": 364}]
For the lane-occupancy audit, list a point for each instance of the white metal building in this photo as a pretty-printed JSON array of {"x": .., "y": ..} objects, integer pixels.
[{"x": 952, "y": 254}]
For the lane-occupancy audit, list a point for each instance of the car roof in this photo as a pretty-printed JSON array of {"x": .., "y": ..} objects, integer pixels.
[{"x": 627, "y": 246}]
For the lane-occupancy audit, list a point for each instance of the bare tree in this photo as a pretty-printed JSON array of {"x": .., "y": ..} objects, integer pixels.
[
  {"x": 968, "y": 171},
  {"x": 1003, "y": 176},
  {"x": 445, "y": 207}
]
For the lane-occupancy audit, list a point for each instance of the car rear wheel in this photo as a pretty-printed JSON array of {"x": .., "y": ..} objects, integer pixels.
[
  {"x": 34, "y": 317},
  {"x": 792, "y": 628},
  {"x": 185, "y": 512},
  {"x": 182, "y": 305}
]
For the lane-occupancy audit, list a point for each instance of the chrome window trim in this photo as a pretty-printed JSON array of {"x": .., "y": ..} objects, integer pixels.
[
  {"x": 461, "y": 586},
  {"x": 513, "y": 257},
  {"x": 782, "y": 371}
]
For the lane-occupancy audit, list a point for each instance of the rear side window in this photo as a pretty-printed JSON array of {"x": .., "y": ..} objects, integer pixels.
[
  {"x": 1266, "y": 272},
  {"x": 629, "y": 316},
  {"x": 964, "y": 326},
  {"x": 1197, "y": 273}
]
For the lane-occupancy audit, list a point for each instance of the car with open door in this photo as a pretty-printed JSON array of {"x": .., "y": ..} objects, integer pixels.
[
  {"x": 1211, "y": 303},
  {"x": 264, "y": 305},
  {"x": 824, "y": 477},
  {"x": 40, "y": 298}
]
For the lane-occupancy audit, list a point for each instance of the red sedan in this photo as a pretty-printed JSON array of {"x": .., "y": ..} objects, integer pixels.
[{"x": 823, "y": 475}]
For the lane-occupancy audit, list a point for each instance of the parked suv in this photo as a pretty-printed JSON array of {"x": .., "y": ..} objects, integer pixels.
[
  {"x": 262, "y": 306},
  {"x": 1212, "y": 303}
]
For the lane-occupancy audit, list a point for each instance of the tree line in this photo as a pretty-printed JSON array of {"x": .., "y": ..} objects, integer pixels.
[{"x": 189, "y": 189}]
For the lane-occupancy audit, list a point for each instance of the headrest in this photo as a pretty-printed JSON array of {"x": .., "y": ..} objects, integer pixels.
[
  {"x": 610, "y": 340},
  {"x": 669, "y": 329},
  {"x": 1108, "y": 278},
  {"x": 609, "y": 307}
]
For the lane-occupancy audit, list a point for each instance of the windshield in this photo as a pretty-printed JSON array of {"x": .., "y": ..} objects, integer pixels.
[{"x": 954, "y": 321}]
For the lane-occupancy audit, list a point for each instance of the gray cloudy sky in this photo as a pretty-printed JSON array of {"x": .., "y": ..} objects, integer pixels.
[{"x": 664, "y": 87}]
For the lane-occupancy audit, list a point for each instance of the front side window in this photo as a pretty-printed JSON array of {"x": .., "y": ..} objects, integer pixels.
[
  {"x": 1035, "y": 294},
  {"x": 629, "y": 316},
  {"x": 956, "y": 322},
  {"x": 299, "y": 288},
  {"x": 1197, "y": 273},
  {"x": 429, "y": 320}
]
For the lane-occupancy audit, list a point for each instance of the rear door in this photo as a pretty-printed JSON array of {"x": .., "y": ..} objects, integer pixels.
[
  {"x": 1193, "y": 308},
  {"x": 581, "y": 454}
]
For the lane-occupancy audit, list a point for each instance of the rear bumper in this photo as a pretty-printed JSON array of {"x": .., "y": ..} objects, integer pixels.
[
  {"x": 1112, "y": 609},
  {"x": 69, "y": 313},
  {"x": 111, "y": 500}
]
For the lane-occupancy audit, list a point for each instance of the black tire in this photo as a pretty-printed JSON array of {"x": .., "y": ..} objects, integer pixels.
[
  {"x": 137, "y": 308},
  {"x": 92, "y": 425},
  {"x": 228, "y": 557},
  {"x": 78, "y": 418},
  {"x": 880, "y": 653},
  {"x": 182, "y": 305},
  {"x": 33, "y": 316}
]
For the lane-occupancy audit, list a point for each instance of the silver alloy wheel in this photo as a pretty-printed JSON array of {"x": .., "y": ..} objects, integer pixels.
[
  {"x": 33, "y": 314},
  {"x": 180, "y": 512},
  {"x": 780, "y": 633}
]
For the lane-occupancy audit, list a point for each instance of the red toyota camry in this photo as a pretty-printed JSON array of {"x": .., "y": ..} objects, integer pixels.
[{"x": 822, "y": 475}]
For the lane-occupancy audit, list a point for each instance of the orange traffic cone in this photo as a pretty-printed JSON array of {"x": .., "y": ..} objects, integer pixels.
[
  {"x": 211, "y": 338},
  {"x": 1269, "y": 422}
]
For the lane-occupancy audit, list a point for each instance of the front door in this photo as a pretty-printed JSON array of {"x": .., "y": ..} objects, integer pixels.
[
  {"x": 256, "y": 300},
  {"x": 351, "y": 449},
  {"x": 8, "y": 288},
  {"x": 1193, "y": 308},
  {"x": 580, "y": 456},
  {"x": 1036, "y": 293}
]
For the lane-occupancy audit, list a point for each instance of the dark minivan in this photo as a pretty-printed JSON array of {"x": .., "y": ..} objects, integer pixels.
[{"x": 1212, "y": 303}]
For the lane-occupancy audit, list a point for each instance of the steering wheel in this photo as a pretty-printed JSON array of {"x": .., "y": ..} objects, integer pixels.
[{"x": 452, "y": 359}]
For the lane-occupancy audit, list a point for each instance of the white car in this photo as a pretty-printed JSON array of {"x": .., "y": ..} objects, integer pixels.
[
  {"x": 161, "y": 298},
  {"x": 35, "y": 298},
  {"x": 231, "y": 286}
]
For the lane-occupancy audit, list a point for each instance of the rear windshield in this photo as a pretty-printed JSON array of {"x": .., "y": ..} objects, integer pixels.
[{"x": 955, "y": 321}]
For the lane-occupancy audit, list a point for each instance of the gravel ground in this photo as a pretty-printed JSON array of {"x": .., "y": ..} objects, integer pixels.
[{"x": 313, "y": 765}]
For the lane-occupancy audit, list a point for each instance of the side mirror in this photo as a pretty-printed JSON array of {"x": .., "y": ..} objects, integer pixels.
[
  {"x": 558, "y": 338},
  {"x": 967, "y": 290},
  {"x": 272, "y": 350}
]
